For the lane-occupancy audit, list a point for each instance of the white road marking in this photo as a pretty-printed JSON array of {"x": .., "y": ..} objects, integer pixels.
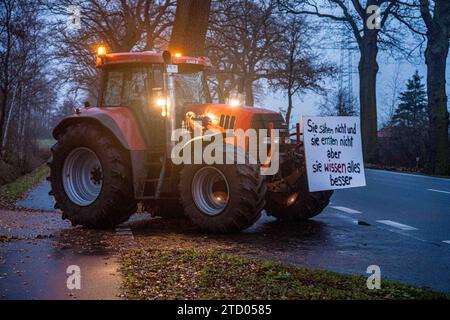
[
  {"x": 409, "y": 235},
  {"x": 441, "y": 191},
  {"x": 346, "y": 217},
  {"x": 347, "y": 210},
  {"x": 397, "y": 225},
  {"x": 446, "y": 241}
]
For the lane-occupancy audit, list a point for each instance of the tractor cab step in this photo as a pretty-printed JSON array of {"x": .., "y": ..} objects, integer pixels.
[{"x": 157, "y": 180}]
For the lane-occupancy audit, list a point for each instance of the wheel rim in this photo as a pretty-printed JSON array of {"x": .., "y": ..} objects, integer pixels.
[
  {"x": 210, "y": 191},
  {"x": 82, "y": 176}
]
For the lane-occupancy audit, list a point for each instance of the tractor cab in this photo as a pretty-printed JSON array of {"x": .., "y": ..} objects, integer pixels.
[{"x": 155, "y": 86}]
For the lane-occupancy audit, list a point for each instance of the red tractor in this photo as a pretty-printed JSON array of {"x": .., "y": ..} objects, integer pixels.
[{"x": 110, "y": 158}]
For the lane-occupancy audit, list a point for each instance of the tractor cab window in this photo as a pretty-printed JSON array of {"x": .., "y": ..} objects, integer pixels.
[
  {"x": 136, "y": 87},
  {"x": 113, "y": 90},
  {"x": 140, "y": 86},
  {"x": 189, "y": 86},
  {"x": 133, "y": 87}
]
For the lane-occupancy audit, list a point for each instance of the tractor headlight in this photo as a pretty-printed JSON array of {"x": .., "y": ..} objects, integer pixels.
[
  {"x": 236, "y": 100},
  {"x": 160, "y": 102},
  {"x": 212, "y": 117},
  {"x": 233, "y": 102},
  {"x": 101, "y": 51}
]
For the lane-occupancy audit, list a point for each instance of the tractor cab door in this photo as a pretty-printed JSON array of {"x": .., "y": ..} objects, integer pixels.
[
  {"x": 145, "y": 93},
  {"x": 137, "y": 87}
]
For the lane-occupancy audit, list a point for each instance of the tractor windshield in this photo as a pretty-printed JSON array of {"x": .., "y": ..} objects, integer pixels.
[{"x": 189, "y": 88}]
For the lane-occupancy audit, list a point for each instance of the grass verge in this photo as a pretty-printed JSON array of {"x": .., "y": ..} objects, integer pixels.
[
  {"x": 403, "y": 170},
  {"x": 188, "y": 274},
  {"x": 13, "y": 191}
]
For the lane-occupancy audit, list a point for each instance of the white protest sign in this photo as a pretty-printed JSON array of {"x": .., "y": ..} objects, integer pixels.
[
  {"x": 172, "y": 68},
  {"x": 333, "y": 152}
]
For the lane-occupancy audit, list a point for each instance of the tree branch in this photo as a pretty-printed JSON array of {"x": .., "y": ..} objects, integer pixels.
[
  {"x": 349, "y": 19},
  {"x": 426, "y": 15},
  {"x": 359, "y": 8}
]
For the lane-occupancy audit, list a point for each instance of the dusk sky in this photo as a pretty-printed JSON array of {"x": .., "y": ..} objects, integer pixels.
[{"x": 308, "y": 103}]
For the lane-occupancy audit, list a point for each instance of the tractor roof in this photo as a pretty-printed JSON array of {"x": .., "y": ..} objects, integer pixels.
[{"x": 148, "y": 57}]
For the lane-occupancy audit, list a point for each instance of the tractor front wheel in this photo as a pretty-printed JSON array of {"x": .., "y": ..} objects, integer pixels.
[
  {"x": 222, "y": 198},
  {"x": 90, "y": 178},
  {"x": 296, "y": 203}
]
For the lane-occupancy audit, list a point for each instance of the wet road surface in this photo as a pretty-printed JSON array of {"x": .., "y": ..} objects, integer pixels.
[
  {"x": 36, "y": 249},
  {"x": 399, "y": 222}
]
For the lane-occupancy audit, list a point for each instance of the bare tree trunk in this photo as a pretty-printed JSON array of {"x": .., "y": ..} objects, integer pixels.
[
  {"x": 19, "y": 129},
  {"x": 438, "y": 34},
  {"x": 207, "y": 93},
  {"x": 6, "y": 79},
  {"x": 22, "y": 136},
  {"x": 435, "y": 58},
  {"x": 190, "y": 26},
  {"x": 368, "y": 69},
  {"x": 289, "y": 108},
  {"x": 249, "y": 96},
  {"x": 4, "y": 108},
  {"x": 220, "y": 89},
  {"x": 4, "y": 137}
]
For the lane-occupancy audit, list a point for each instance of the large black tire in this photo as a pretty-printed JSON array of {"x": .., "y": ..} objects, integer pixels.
[
  {"x": 245, "y": 202},
  {"x": 115, "y": 202},
  {"x": 298, "y": 204}
]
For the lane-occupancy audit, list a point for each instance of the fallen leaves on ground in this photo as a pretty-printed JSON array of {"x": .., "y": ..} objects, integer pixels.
[{"x": 202, "y": 274}]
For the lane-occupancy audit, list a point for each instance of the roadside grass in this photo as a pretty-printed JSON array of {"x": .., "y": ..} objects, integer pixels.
[
  {"x": 188, "y": 274},
  {"x": 13, "y": 191},
  {"x": 403, "y": 170}
]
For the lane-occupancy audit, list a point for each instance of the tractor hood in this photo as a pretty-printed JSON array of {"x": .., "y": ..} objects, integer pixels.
[{"x": 240, "y": 117}]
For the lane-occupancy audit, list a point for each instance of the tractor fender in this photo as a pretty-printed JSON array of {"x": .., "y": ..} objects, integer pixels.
[{"x": 120, "y": 122}]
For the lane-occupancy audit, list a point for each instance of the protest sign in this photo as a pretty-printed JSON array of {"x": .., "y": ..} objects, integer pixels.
[{"x": 333, "y": 152}]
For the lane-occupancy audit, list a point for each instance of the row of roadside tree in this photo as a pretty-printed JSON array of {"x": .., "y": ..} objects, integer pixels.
[{"x": 47, "y": 50}]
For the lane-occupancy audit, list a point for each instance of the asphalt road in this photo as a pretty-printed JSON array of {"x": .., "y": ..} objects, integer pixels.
[
  {"x": 419, "y": 202},
  {"x": 400, "y": 222}
]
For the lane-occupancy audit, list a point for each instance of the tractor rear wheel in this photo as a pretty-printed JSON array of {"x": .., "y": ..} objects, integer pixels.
[
  {"x": 222, "y": 198},
  {"x": 297, "y": 204},
  {"x": 90, "y": 177}
]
